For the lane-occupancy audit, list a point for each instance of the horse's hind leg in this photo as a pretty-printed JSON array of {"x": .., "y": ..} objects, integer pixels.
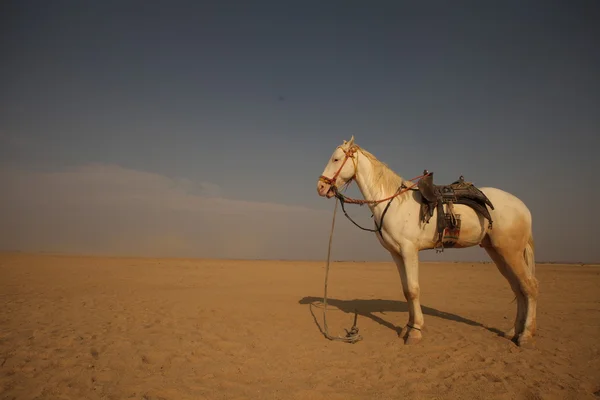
[
  {"x": 528, "y": 285},
  {"x": 514, "y": 267},
  {"x": 505, "y": 271}
]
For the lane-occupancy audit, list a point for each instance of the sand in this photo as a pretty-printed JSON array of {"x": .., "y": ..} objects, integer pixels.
[{"x": 74, "y": 327}]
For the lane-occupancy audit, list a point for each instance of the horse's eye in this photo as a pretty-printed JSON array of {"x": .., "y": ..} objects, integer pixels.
[{"x": 336, "y": 159}]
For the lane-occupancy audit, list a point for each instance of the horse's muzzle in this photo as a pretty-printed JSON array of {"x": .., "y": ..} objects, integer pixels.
[{"x": 325, "y": 189}]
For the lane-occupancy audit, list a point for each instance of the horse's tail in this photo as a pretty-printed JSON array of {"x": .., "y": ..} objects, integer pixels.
[{"x": 529, "y": 255}]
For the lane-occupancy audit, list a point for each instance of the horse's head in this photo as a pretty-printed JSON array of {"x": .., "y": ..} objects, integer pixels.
[{"x": 338, "y": 171}]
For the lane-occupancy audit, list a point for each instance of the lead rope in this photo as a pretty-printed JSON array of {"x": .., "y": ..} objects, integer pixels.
[{"x": 352, "y": 335}]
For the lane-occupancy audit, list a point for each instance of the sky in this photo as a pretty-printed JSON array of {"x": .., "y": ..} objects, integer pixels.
[{"x": 199, "y": 129}]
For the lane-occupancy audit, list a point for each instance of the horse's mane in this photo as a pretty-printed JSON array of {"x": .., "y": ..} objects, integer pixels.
[{"x": 383, "y": 176}]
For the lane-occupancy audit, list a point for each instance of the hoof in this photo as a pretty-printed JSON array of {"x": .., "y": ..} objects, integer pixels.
[
  {"x": 526, "y": 342},
  {"x": 403, "y": 333},
  {"x": 510, "y": 334},
  {"x": 410, "y": 335},
  {"x": 412, "y": 340}
]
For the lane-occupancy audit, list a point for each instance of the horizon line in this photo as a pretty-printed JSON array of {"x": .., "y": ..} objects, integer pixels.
[{"x": 199, "y": 258}]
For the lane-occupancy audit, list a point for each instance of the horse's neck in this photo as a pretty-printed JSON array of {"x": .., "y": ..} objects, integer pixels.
[{"x": 371, "y": 186}]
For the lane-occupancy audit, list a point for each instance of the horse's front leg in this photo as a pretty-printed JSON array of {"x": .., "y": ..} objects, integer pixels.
[{"x": 408, "y": 267}]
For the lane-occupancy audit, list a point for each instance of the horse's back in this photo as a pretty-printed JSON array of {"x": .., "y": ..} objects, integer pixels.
[{"x": 502, "y": 199}]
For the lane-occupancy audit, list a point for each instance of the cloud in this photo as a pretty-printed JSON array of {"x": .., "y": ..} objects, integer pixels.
[{"x": 108, "y": 209}]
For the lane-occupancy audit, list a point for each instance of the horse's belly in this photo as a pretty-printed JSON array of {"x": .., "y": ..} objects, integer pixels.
[{"x": 473, "y": 227}]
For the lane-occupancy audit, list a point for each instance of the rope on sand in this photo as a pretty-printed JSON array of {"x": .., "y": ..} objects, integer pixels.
[{"x": 352, "y": 335}]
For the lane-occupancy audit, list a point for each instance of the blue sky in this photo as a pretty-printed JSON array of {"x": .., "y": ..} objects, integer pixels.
[{"x": 236, "y": 107}]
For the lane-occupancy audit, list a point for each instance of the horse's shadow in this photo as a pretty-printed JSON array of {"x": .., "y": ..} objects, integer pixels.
[{"x": 368, "y": 308}]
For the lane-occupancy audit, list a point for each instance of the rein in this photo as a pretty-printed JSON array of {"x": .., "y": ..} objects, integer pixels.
[
  {"x": 352, "y": 335},
  {"x": 343, "y": 199}
]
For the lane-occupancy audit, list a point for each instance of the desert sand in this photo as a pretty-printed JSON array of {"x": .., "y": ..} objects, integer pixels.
[{"x": 76, "y": 327}]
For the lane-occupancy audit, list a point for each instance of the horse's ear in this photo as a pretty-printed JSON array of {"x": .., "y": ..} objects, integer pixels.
[
  {"x": 344, "y": 142},
  {"x": 351, "y": 142}
]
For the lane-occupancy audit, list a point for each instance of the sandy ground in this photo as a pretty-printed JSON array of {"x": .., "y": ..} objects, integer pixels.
[{"x": 119, "y": 328}]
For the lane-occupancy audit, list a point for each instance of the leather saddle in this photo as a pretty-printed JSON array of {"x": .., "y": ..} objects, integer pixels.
[{"x": 458, "y": 192}]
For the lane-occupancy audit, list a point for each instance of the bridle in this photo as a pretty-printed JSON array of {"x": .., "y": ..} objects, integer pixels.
[{"x": 349, "y": 154}]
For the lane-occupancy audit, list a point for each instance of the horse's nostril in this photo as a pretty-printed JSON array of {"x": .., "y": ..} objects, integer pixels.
[{"x": 321, "y": 187}]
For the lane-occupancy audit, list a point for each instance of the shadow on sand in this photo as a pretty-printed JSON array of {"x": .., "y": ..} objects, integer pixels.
[{"x": 368, "y": 308}]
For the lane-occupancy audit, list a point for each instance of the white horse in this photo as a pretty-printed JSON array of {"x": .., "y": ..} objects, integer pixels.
[{"x": 509, "y": 242}]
